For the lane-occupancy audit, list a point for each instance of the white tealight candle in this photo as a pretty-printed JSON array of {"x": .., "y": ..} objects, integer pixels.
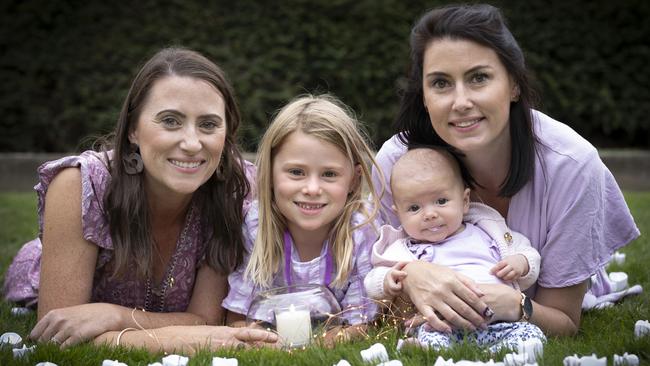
[{"x": 293, "y": 325}]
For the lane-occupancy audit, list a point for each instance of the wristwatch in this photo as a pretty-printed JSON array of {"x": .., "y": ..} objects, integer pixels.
[{"x": 526, "y": 308}]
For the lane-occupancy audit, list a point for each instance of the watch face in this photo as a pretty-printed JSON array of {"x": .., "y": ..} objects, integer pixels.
[{"x": 528, "y": 307}]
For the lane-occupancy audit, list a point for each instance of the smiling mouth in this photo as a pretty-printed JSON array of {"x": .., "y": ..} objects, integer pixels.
[
  {"x": 434, "y": 229},
  {"x": 465, "y": 124},
  {"x": 310, "y": 206},
  {"x": 186, "y": 165}
]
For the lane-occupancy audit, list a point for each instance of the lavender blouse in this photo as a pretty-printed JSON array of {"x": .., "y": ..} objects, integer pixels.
[
  {"x": 22, "y": 277},
  {"x": 572, "y": 209}
]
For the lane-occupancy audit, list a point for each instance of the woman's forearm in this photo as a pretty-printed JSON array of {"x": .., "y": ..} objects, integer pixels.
[
  {"x": 557, "y": 311},
  {"x": 137, "y": 318}
]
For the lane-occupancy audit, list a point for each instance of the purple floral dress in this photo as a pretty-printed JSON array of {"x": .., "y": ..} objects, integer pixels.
[{"x": 171, "y": 295}]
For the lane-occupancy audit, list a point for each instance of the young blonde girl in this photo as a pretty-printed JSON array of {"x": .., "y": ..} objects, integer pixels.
[{"x": 310, "y": 224}]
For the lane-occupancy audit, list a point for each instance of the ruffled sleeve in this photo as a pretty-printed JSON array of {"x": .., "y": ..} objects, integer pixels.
[
  {"x": 95, "y": 179},
  {"x": 241, "y": 289}
]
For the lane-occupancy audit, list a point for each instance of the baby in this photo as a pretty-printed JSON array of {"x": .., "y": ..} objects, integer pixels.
[{"x": 440, "y": 225}]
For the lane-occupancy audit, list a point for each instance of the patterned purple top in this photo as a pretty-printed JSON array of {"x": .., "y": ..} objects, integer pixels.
[
  {"x": 352, "y": 296},
  {"x": 22, "y": 278}
]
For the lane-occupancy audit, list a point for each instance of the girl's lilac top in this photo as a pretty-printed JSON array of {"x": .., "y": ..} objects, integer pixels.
[
  {"x": 572, "y": 210},
  {"x": 356, "y": 306},
  {"x": 22, "y": 278}
]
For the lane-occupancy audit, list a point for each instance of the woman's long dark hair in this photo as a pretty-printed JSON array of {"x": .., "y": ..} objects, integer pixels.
[
  {"x": 219, "y": 200},
  {"x": 484, "y": 25}
]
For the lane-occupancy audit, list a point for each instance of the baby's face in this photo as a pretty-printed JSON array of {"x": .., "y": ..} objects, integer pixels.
[{"x": 430, "y": 205}]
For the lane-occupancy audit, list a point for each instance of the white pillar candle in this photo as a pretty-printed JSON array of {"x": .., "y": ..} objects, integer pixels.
[{"x": 293, "y": 325}]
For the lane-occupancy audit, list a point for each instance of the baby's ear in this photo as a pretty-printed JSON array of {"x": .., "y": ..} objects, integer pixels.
[
  {"x": 393, "y": 207},
  {"x": 466, "y": 200}
]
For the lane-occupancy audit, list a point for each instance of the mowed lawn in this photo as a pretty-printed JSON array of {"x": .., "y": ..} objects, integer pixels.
[{"x": 604, "y": 332}]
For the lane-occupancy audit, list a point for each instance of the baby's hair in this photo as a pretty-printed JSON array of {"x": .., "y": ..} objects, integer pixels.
[
  {"x": 327, "y": 119},
  {"x": 427, "y": 157},
  {"x": 450, "y": 153}
]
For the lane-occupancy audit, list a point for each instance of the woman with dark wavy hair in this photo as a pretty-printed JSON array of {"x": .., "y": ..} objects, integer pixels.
[
  {"x": 468, "y": 91},
  {"x": 152, "y": 221}
]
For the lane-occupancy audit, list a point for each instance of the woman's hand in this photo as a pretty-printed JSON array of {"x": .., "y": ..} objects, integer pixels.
[
  {"x": 74, "y": 324},
  {"x": 503, "y": 300},
  {"x": 437, "y": 289},
  {"x": 189, "y": 339},
  {"x": 555, "y": 310}
]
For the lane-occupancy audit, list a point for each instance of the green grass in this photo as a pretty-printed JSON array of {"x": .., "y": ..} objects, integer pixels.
[{"x": 604, "y": 332}]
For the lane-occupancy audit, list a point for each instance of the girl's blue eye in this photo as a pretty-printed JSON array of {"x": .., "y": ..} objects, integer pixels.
[
  {"x": 329, "y": 174},
  {"x": 295, "y": 171}
]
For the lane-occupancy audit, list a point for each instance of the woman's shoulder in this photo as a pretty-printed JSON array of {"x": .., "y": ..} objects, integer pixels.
[
  {"x": 557, "y": 141},
  {"x": 391, "y": 149},
  {"x": 94, "y": 176}
]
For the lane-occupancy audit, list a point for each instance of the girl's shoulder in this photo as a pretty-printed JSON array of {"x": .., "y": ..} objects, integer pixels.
[{"x": 366, "y": 230}]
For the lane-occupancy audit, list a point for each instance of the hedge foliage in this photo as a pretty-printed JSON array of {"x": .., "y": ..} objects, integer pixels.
[{"x": 66, "y": 65}]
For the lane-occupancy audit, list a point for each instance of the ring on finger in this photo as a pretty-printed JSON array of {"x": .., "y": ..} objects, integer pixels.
[{"x": 55, "y": 341}]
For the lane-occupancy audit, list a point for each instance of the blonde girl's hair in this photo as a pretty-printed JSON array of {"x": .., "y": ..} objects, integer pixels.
[{"x": 327, "y": 119}]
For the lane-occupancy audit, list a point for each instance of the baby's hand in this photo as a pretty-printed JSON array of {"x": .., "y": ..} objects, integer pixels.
[
  {"x": 393, "y": 280},
  {"x": 511, "y": 268}
]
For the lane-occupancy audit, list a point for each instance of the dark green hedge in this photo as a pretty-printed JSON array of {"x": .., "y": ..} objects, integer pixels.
[{"x": 66, "y": 65}]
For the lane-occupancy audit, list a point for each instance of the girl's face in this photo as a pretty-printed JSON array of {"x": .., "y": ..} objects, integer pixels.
[
  {"x": 311, "y": 182},
  {"x": 467, "y": 92},
  {"x": 181, "y": 132}
]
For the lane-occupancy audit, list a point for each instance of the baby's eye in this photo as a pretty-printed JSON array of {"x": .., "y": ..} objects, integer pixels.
[
  {"x": 413, "y": 208},
  {"x": 441, "y": 201}
]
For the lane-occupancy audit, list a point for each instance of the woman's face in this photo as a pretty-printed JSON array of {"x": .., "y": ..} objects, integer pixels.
[
  {"x": 467, "y": 93},
  {"x": 181, "y": 132}
]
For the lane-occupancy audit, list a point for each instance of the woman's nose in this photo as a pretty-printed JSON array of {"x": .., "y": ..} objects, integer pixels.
[
  {"x": 190, "y": 141},
  {"x": 462, "y": 100}
]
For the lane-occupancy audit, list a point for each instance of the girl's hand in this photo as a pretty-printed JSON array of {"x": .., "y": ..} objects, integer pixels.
[
  {"x": 74, "y": 324},
  {"x": 437, "y": 289},
  {"x": 511, "y": 268}
]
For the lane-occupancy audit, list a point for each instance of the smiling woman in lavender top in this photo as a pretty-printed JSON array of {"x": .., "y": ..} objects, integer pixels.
[{"x": 468, "y": 91}]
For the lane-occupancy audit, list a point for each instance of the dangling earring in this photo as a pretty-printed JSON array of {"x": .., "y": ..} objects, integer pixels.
[
  {"x": 218, "y": 174},
  {"x": 133, "y": 162}
]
